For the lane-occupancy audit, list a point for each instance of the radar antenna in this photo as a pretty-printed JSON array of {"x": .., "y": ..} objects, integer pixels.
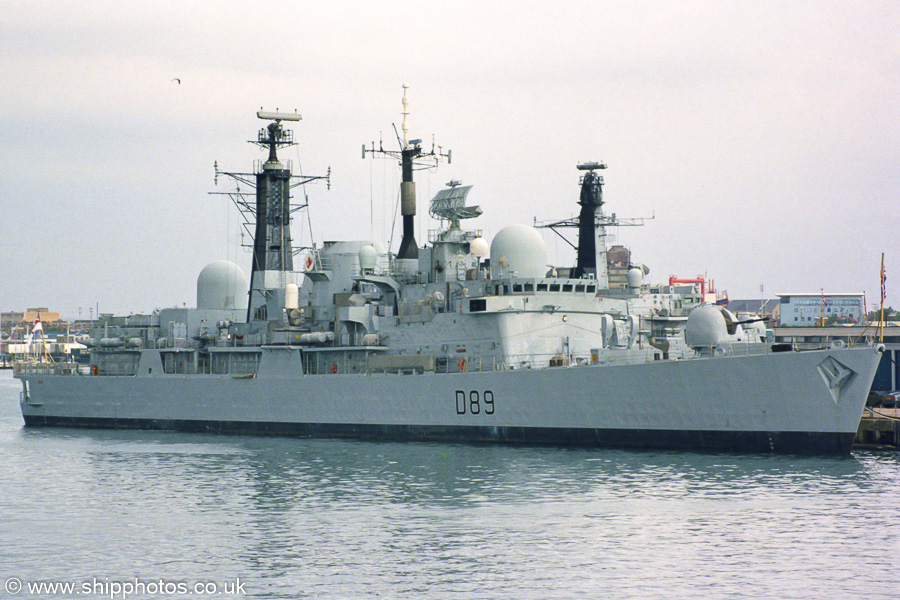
[{"x": 450, "y": 204}]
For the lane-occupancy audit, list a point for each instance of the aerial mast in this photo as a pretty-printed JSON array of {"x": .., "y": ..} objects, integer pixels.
[
  {"x": 408, "y": 247},
  {"x": 410, "y": 151}
]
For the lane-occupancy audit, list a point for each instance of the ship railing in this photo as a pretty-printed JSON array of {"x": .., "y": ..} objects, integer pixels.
[
  {"x": 476, "y": 363},
  {"x": 30, "y": 367},
  {"x": 325, "y": 261},
  {"x": 752, "y": 350},
  {"x": 112, "y": 370},
  {"x": 732, "y": 349},
  {"x": 466, "y": 236},
  {"x": 320, "y": 261}
]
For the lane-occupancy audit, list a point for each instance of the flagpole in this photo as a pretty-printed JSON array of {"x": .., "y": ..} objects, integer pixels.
[
  {"x": 822, "y": 320},
  {"x": 881, "y": 323}
]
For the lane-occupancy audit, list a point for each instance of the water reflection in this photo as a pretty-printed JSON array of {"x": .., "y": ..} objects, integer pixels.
[
  {"x": 335, "y": 518},
  {"x": 275, "y": 472}
]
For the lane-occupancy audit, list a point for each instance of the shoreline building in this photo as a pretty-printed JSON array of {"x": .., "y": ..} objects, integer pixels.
[{"x": 809, "y": 310}]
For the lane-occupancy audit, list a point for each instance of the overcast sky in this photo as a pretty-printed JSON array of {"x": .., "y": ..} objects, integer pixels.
[{"x": 763, "y": 136}]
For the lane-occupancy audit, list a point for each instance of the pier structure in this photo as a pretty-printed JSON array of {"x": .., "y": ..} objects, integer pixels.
[{"x": 879, "y": 429}]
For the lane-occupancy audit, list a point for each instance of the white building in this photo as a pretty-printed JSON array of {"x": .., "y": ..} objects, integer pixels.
[{"x": 798, "y": 310}]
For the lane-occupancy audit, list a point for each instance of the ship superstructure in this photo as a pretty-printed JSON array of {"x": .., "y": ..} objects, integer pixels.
[{"x": 460, "y": 339}]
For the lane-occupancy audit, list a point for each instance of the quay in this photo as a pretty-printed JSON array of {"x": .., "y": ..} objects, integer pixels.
[{"x": 879, "y": 429}]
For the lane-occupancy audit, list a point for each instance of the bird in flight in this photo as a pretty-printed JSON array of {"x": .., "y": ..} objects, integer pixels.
[{"x": 176, "y": 80}]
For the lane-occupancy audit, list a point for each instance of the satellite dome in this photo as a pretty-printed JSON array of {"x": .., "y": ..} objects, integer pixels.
[
  {"x": 222, "y": 285},
  {"x": 634, "y": 276},
  {"x": 368, "y": 257},
  {"x": 479, "y": 247},
  {"x": 518, "y": 249}
]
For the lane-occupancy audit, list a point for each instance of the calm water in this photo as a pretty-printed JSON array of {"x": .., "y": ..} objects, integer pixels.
[{"x": 286, "y": 518}]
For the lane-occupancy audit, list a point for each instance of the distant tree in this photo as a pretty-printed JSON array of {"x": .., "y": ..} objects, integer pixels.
[{"x": 889, "y": 314}]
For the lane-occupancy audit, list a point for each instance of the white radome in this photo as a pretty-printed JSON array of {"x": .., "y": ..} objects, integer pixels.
[
  {"x": 479, "y": 247},
  {"x": 222, "y": 285},
  {"x": 368, "y": 258},
  {"x": 518, "y": 249}
]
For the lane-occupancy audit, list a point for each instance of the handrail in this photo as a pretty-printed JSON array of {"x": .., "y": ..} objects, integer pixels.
[{"x": 462, "y": 363}]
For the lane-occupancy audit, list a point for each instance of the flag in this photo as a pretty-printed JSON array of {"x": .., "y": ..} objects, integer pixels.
[
  {"x": 37, "y": 326},
  {"x": 824, "y": 303},
  {"x": 883, "y": 277}
]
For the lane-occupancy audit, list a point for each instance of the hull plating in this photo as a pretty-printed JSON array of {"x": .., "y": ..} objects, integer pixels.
[{"x": 797, "y": 402}]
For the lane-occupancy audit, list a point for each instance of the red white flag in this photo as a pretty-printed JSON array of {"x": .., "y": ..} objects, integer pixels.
[{"x": 37, "y": 326}]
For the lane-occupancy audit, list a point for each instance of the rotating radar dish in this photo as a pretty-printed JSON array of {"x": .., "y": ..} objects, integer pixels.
[{"x": 450, "y": 204}]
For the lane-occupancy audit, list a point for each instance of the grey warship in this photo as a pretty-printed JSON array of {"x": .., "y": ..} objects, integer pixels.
[{"x": 459, "y": 339}]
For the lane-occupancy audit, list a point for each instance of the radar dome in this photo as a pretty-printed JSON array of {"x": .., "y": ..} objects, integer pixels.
[
  {"x": 368, "y": 258},
  {"x": 222, "y": 285},
  {"x": 479, "y": 247},
  {"x": 518, "y": 249},
  {"x": 634, "y": 276}
]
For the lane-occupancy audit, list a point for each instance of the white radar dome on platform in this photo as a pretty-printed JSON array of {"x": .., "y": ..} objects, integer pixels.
[
  {"x": 222, "y": 285},
  {"x": 518, "y": 249},
  {"x": 634, "y": 276},
  {"x": 368, "y": 258},
  {"x": 479, "y": 247}
]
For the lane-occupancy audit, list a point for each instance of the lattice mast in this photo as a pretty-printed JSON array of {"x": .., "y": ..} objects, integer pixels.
[
  {"x": 592, "y": 225},
  {"x": 273, "y": 255},
  {"x": 591, "y": 259}
]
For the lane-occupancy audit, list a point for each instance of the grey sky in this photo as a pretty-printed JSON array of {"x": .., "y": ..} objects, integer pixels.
[{"x": 763, "y": 135}]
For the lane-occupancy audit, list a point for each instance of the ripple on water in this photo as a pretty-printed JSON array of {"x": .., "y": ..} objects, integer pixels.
[{"x": 337, "y": 519}]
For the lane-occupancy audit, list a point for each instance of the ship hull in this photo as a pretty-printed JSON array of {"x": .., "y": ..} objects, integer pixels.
[
  {"x": 808, "y": 402},
  {"x": 790, "y": 442}
]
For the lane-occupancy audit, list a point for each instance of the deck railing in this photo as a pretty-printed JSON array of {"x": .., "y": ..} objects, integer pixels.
[
  {"x": 444, "y": 365},
  {"x": 28, "y": 367}
]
